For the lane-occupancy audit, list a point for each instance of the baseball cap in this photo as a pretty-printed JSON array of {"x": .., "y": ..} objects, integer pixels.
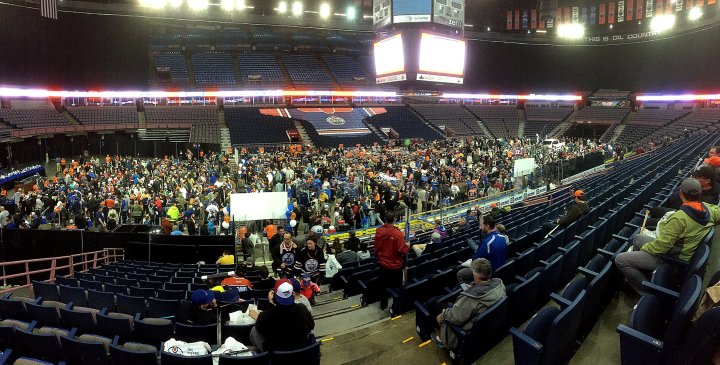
[
  {"x": 705, "y": 172},
  {"x": 295, "y": 284},
  {"x": 249, "y": 262},
  {"x": 284, "y": 292},
  {"x": 317, "y": 229},
  {"x": 435, "y": 237},
  {"x": 713, "y": 161},
  {"x": 493, "y": 205},
  {"x": 579, "y": 193},
  {"x": 200, "y": 297},
  {"x": 690, "y": 186}
]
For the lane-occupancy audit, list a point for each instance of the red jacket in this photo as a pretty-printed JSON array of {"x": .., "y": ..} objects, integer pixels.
[{"x": 390, "y": 247}]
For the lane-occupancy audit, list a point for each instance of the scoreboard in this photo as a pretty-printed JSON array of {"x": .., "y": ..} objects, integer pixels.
[{"x": 449, "y": 13}]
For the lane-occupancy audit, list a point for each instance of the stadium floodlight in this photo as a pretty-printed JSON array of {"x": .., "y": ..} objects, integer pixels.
[
  {"x": 695, "y": 13},
  {"x": 198, "y": 4},
  {"x": 571, "y": 31},
  {"x": 324, "y": 10},
  {"x": 297, "y": 8},
  {"x": 240, "y": 4},
  {"x": 282, "y": 7},
  {"x": 662, "y": 23},
  {"x": 227, "y": 5},
  {"x": 175, "y": 3},
  {"x": 351, "y": 13}
]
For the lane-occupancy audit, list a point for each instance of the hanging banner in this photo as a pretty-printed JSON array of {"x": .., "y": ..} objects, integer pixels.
[
  {"x": 679, "y": 5},
  {"x": 668, "y": 7},
  {"x": 566, "y": 14},
  {"x": 509, "y": 24},
  {"x": 550, "y": 23},
  {"x": 593, "y": 15},
  {"x": 699, "y": 3},
  {"x": 630, "y": 9},
  {"x": 639, "y": 9},
  {"x": 575, "y": 14},
  {"x": 611, "y": 12},
  {"x": 649, "y": 8},
  {"x": 525, "y": 19},
  {"x": 584, "y": 15},
  {"x": 533, "y": 19},
  {"x": 517, "y": 19},
  {"x": 601, "y": 14},
  {"x": 621, "y": 11},
  {"x": 558, "y": 15},
  {"x": 659, "y": 7}
]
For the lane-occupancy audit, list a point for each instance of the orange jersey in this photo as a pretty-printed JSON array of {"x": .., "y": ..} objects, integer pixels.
[{"x": 237, "y": 281}]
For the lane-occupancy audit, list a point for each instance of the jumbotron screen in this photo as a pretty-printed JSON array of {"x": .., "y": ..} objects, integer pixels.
[
  {"x": 441, "y": 59},
  {"x": 389, "y": 60}
]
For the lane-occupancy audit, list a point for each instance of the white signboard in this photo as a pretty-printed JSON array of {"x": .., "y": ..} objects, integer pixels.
[{"x": 258, "y": 206}]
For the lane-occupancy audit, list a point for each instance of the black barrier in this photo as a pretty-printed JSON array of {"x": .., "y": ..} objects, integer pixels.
[
  {"x": 562, "y": 169},
  {"x": 25, "y": 244}
]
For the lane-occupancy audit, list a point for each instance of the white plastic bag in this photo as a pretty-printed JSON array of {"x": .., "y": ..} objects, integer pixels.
[
  {"x": 240, "y": 317},
  {"x": 231, "y": 347},
  {"x": 332, "y": 266},
  {"x": 186, "y": 349}
]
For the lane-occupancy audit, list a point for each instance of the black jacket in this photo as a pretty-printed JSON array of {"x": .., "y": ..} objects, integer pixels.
[{"x": 285, "y": 327}]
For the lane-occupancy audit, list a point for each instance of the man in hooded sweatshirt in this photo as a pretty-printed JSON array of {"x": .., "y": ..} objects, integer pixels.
[
  {"x": 481, "y": 295},
  {"x": 678, "y": 235},
  {"x": 390, "y": 250}
]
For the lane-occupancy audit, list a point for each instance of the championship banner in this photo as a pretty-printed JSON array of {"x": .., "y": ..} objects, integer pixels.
[
  {"x": 630, "y": 9},
  {"x": 660, "y": 7},
  {"x": 639, "y": 9},
  {"x": 699, "y": 3},
  {"x": 558, "y": 16},
  {"x": 566, "y": 14},
  {"x": 611, "y": 12},
  {"x": 541, "y": 24},
  {"x": 524, "y": 19},
  {"x": 648, "y": 8},
  {"x": 593, "y": 15},
  {"x": 621, "y": 11},
  {"x": 509, "y": 24},
  {"x": 575, "y": 14},
  {"x": 679, "y": 5},
  {"x": 550, "y": 23},
  {"x": 601, "y": 13},
  {"x": 584, "y": 15},
  {"x": 688, "y": 4},
  {"x": 668, "y": 7},
  {"x": 517, "y": 19},
  {"x": 533, "y": 19}
]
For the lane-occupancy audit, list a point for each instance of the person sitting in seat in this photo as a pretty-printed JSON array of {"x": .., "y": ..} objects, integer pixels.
[
  {"x": 343, "y": 254},
  {"x": 710, "y": 189},
  {"x": 492, "y": 248},
  {"x": 199, "y": 310},
  {"x": 679, "y": 235},
  {"x": 265, "y": 281},
  {"x": 428, "y": 248},
  {"x": 578, "y": 209},
  {"x": 285, "y": 326},
  {"x": 227, "y": 258},
  {"x": 475, "y": 299}
]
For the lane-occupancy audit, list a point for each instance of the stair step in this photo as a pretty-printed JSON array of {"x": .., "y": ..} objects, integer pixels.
[{"x": 352, "y": 319}]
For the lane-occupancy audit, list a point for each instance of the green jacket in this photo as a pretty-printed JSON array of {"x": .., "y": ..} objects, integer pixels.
[
  {"x": 136, "y": 210},
  {"x": 683, "y": 231}
]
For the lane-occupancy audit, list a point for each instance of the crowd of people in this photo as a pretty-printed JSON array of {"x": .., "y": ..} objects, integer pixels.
[{"x": 356, "y": 187}]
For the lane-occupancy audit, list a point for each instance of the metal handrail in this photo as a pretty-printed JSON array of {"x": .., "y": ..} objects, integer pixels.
[{"x": 84, "y": 260}]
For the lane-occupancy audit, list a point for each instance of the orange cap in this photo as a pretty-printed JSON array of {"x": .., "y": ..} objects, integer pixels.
[
  {"x": 493, "y": 205},
  {"x": 579, "y": 193}
]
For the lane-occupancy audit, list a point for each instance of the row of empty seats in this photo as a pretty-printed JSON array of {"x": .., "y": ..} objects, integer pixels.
[
  {"x": 455, "y": 117},
  {"x": 602, "y": 115},
  {"x": 33, "y": 118},
  {"x": 249, "y": 126},
  {"x": 104, "y": 115}
]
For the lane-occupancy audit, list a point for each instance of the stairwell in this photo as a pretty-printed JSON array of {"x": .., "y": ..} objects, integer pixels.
[
  {"x": 70, "y": 118},
  {"x": 480, "y": 124},
  {"x": 558, "y": 131},
  {"x": 190, "y": 69},
  {"x": 284, "y": 71},
  {"x": 153, "y": 80},
  {"x": 621, "y": 127},
  {"x": 331, "y": 77},
  {"x": 225, "y": 141},
  {"x": 303, "y": 134},
  {"x": 236, "y": 69},
  {"x": 142, "y": 121},
  {"x": 377, "y": 132},
  {"x": 427, "y": 123},
  {"x": 522, "y": 119}
]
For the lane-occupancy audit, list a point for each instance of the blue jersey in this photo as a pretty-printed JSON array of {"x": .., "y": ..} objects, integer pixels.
[{"x": 492, "y": 248}]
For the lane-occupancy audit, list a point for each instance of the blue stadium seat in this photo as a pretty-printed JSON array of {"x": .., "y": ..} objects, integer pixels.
[
  {"x": 131, "y": 353},
  {"x": 172, "y": 359},
  {"x": 307, "y": 355},
  {"x": 131, "y": 305},
  {"x": 101, "y": 299},
  {"x": 258, "y": 359},
  {"x": 191, "y": 333},
  {"x": 488, "y": 329},
  {"x": 48, "y": 291},
  {"x": 86, "y": 349},
  {"x": 152, "y": 331},
  {"x": 522, "y": 293}
]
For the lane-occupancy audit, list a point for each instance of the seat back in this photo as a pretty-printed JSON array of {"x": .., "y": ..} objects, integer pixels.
[
  {"x": 45, "y": 315},
  {"x": 551, "y": 274},
  {"x": 85, "y": 322},
  {"x": 309, "y": 355},
  {"x": 699, "y": 260},
  {"x": 76, "y": 295},
  {"x": 523, "y": 293},
  {"x": 14, "y": 309},
  {"x": 171, "y": 294},
  {"x": 121, "y": 356},
  {"x": 90, "y": 284},
  {"x": 238, "y": 332},
  {"x": 525, "y": 261},
  {"x": 563, "y": 331},
  {"x": 258, "y": 359},
  {"x": 489, "y": 327},
  {"x": 571, "y": 251},
  {"x": 101, "y": 299},
  {"x": 167, "y": 358},
  {"x": 44, "y": 347},
  {"x": 82, "y": 352},
  {"x": 152, "y": 331},
  {"x": 191, "y": 333},
  {"x": 110, "y": 325},
  {"x": 48, "y": 291},
  {"x": 506, "y": 272},
  {"x": 131, "y": 305},
  {"x": 683, "y": 312}
]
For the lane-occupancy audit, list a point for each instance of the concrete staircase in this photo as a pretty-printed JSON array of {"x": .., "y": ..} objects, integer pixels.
[
  {"x": 522, "y": 119},
  {"x": 335, "y": 83},
  {"x": 482, "y": 125},
  {"x": 225, "y": 141},
  {"x": 427, "y": 123},
  {"x": 285, "y": 72},
  {"x": 306, "y": 141},
  {"x": 329, "y": 306},
  {"x": 191, "y": 70},
  {"x": 563, "y": 126},
  {"x": 617, "y": 132},
  {"x": 70, "y": 118},
  {"x": 377, "y": 132},
  {"x": 142, "y": 121}
]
